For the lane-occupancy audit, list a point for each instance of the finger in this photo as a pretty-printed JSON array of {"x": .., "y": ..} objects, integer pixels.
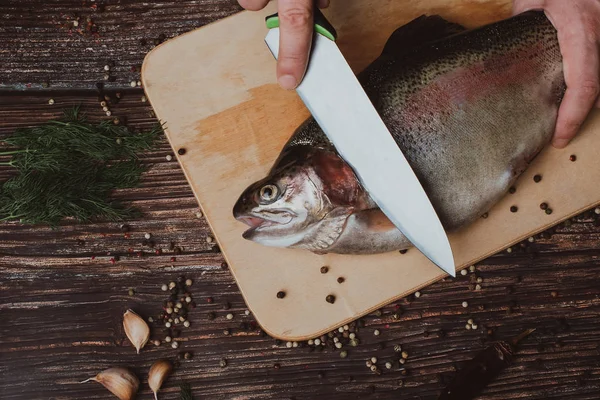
[
  {"x": 520, "y": 6},
  {"x": 253, "y": 5},
  {"x": 296, "y": 30},
  {"x": 581, "y": 65}
]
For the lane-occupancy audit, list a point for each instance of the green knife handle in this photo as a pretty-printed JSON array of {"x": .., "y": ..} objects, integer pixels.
[{"x": 322, "y": 26}]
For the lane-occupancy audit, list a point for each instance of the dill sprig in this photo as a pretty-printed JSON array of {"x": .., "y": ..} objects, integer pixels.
[
  {"x": 186, "y": 392},
  {"x": 68, "y": 168}
]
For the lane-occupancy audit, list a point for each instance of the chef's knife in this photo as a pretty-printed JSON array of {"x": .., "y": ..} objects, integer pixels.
[{"x": 339, "y": 104}]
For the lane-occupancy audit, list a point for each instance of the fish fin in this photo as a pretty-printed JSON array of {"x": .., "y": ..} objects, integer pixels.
[
  {"x": 374, "y": 220},
  {"x": 419, "y": 31},
  {"x": 369, "y": 232}
]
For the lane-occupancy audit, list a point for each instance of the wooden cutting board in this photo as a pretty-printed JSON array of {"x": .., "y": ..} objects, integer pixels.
[{"x": 215, "y": 88}]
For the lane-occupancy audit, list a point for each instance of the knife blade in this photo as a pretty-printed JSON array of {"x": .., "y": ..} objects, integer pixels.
[{"x": 333, "y": 95}]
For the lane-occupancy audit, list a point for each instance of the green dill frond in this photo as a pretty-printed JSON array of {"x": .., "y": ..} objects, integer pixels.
[{"x": 68, "y": 168}]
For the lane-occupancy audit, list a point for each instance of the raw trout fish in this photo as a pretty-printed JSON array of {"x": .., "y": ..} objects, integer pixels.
[{"x": 469, "y": 109}]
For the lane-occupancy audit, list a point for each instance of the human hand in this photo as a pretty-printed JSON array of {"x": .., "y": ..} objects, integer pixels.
[
  {"x": 296, "y": 32},
  {"x": 578, "y": 25}
]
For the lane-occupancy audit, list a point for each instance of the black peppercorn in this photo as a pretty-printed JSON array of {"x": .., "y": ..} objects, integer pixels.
[
  {"x": 537, "y": 178},
  {"x": 512, "y": 190},
  {"x": 544, "y": 206},
  {"x": 484, "y": 216},
  {"x": 514, "y": 209},
  {"x": 324, "y": 270},
  {"x": 211, "y": 316},
  {"x": 330, "y": 299},
  {"x": 573, "y": 157},
  {"x": 403, "y": 251},
  {"x": 280, "y": 294},
  {"x": 181, "y": 151},
  {"x": 548, "y": 211},
  {"x": 341, "y": 279}
]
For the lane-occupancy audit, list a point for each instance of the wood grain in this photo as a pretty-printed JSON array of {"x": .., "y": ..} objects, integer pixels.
[
  {"x": 60, "y": 311},
  {"x": 40, "y": 44}
]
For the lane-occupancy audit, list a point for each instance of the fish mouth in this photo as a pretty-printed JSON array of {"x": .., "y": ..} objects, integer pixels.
[{"x": 258, "y": 223}]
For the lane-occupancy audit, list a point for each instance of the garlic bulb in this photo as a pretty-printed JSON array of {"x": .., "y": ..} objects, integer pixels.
[
  {"x": 119, "y": 381},
  {"x": 136, "y": 329},
  {"x": 157, "y": 375}
]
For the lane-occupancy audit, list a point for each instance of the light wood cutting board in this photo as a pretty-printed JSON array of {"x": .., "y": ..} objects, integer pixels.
[{"x": 215, "y": 88}]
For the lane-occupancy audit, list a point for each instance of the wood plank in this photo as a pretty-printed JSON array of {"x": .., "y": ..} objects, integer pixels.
[
  {"x": 38, "y": 47},
  {"x": 61, "y": 310}
]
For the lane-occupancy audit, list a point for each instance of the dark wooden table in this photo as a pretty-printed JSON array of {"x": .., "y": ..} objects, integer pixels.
[{"x": 62, "y": 297}]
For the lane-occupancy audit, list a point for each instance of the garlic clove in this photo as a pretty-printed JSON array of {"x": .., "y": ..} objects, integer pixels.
[
  {"x": 119, "y": 381},
  {"x": 136, "y": 329},
  {"x": 157, "y": 375}
]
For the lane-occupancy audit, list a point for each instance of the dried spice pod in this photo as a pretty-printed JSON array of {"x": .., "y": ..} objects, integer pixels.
[
  {"x": 119, "y": 381},
  {"x": 482, "y": 369},
  {"x": 136, "y": 329}
]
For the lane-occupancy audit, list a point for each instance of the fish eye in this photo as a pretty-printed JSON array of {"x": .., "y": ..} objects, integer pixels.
[{"x": 269, "y": 193}]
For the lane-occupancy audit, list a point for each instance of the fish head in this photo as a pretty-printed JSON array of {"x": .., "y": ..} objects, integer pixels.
[{"x": 304, "y": 190}]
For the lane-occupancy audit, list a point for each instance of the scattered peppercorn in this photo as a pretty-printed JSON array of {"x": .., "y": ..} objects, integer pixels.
[
  {"x": 330, "y": 299},
  {"x": 512, "y": 190},
  {"x": 573, "y": 157},
  {"x": 514, "y": 209},
  {"x": 131, "y": 292},
  {"x": 341, "y": 279},
  {"x": 548, "y": 211},
  {"x": 403, "y": 251},
  {"x": 223, "y": 363},
  {"x": 537, "y": 178},
  {"x": 485, "y": 215},
  {"x": 324, "y": 269},
  {"x": 280, "y": 294},
  {"x": 181, "y": 151}
]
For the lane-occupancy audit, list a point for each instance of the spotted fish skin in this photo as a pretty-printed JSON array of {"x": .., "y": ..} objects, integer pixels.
[{"x": 469, "y": 109}]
